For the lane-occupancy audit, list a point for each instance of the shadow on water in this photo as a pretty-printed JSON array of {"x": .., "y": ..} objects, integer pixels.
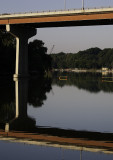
[{"x": 15, "y": 123}]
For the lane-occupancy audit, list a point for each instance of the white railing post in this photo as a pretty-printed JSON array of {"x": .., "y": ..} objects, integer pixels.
[{"x": 82, "y": 4}]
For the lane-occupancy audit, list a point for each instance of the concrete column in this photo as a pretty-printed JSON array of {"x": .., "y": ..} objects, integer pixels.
[{"x": 22, "y": 34}]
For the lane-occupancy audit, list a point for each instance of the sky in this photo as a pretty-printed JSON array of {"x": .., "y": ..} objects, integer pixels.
[{"x": 65, "y": 39}]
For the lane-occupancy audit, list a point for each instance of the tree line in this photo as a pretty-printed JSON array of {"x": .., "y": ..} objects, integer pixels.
[
  {"x": 93, "y": 58},
  {"x": 38, "y": 59},
  {"x": 40, "y": 62}
]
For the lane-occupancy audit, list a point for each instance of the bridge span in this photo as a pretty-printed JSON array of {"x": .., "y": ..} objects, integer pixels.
[{"x": 23, "y": 26}]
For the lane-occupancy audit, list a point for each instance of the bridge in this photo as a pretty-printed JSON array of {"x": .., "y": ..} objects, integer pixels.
[{"x": 23, "y": 26}]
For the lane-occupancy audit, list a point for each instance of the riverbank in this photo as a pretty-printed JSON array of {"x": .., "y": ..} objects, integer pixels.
[{"x": 83, "y": 70}]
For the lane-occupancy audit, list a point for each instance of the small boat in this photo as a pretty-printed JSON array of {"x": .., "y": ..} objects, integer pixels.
[{"x": 64, "y": 78}]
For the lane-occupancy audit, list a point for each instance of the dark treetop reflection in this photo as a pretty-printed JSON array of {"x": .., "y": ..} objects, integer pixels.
[{"x": 91, "y": 82}]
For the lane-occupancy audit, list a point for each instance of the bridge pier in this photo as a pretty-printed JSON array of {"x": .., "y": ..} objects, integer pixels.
[{"x": 22, "y": 34}]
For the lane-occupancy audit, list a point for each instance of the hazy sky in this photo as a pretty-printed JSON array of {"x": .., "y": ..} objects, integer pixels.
[{"x": 66, "y": 39}]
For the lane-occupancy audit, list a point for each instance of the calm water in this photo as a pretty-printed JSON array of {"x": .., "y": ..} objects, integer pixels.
[{"x": 79, "y": 107}]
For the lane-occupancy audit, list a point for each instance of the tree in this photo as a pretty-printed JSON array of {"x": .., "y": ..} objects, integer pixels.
[
  {"x": 7, "y": 52},
  {"x": 38, "y": 58}
]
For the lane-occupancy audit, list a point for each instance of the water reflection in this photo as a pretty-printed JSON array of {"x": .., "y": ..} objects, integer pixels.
[
  {"x": 22, "y": 127},
  {"x": 14, "y": 112},
  {"x": 91, "y": 82},
  {"x": 7, "y": 100},
  {"x": 21, "y": 121}
]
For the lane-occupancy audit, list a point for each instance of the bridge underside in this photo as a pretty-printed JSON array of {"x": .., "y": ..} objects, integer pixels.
[
  {"x": 64, "y": 24},
  {"x": 71, "y": 23}
]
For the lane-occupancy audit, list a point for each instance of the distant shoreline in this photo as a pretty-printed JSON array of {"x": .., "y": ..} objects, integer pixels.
[{"x": 83, "y": 70}]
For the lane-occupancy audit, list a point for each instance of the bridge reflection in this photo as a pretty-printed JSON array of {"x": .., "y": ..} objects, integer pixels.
[
  {"x": 22, "y": 128},
  {"x": 21, "y": 121}
]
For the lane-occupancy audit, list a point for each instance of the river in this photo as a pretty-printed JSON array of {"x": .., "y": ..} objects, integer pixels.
[{"x": 62, "y": 118}]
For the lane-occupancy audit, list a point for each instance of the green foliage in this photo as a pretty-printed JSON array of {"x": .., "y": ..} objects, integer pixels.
[
  {"x": 7, "y": 53},
  {"x": 6, "y": 40},
  {"x": 93, "y": 58},
  {"x": 39, "y": 61}
]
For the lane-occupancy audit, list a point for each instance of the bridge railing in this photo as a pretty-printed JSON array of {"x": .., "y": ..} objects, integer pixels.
[{"x": 61, "y": 10}]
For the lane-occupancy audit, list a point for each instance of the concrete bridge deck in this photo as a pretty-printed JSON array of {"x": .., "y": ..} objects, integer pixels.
[{"x": 60, "y": 18}]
